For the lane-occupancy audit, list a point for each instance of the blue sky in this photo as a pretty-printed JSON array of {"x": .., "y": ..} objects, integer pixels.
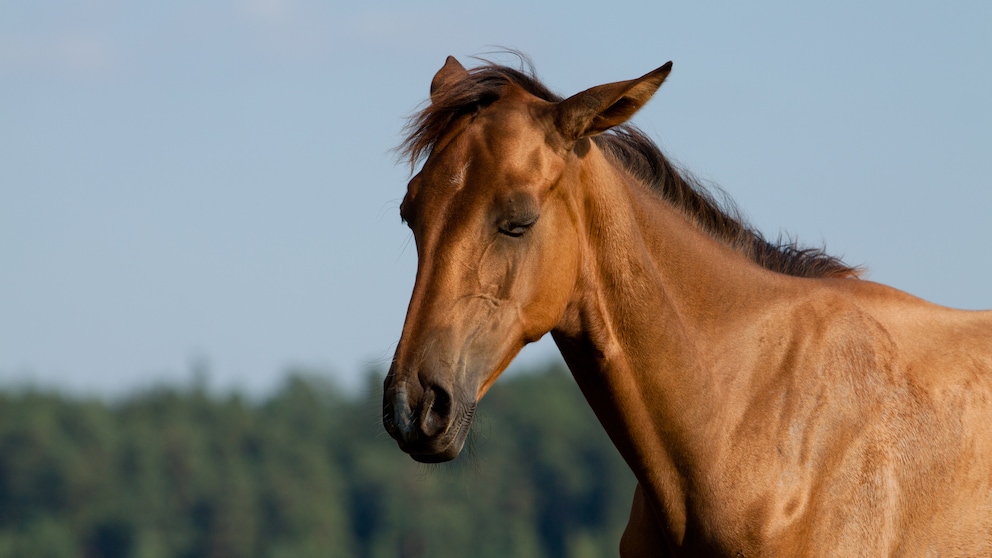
[{"x": 185, "y": 183}]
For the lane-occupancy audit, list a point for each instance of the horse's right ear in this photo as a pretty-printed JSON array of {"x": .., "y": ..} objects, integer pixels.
[
  {"x": 598, "y": 109},
  {"x": 450, "y": 73}
]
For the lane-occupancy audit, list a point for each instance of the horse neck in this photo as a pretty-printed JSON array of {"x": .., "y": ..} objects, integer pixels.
[{"x": 657, "y": 298}]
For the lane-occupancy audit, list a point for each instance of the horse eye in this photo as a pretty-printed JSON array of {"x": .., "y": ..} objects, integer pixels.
[
  {"x": 406, "y": 215},
  {"x": 517, "y": 228}
]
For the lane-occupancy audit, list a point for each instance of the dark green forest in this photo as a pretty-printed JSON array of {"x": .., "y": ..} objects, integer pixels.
[{"x": 305, "y": 472}]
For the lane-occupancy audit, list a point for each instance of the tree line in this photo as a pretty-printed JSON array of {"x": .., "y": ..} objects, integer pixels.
[{"x": 305, "y": 472}]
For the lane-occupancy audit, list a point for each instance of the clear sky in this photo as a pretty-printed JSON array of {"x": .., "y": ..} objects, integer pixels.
[{"x": 186, "y": 182}]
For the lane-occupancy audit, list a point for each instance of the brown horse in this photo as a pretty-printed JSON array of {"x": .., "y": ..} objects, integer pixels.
[{"x": 769, "y": 402}]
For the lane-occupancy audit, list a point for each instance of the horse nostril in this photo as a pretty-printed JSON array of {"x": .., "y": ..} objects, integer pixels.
[
  {"x": 435, "y": 411},
  {"x": 398, "y": 413}
]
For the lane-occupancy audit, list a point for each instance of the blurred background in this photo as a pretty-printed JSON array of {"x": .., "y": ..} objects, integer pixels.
[
  {"x": 199, "y": 211},
  {"x": 213, "y": 184}
]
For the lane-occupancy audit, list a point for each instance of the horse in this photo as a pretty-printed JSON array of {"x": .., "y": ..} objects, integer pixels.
[{"x": 769, "y": 400}]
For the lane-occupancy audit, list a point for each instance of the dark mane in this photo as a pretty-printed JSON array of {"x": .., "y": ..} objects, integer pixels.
[{"x": 635, "y": 152}]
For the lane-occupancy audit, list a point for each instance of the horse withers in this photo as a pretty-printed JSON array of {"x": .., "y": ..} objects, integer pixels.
[{"x": 768, "y": 401}]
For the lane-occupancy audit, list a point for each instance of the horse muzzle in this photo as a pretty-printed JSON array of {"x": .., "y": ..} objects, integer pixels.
[{"x": 427, "y": 422}]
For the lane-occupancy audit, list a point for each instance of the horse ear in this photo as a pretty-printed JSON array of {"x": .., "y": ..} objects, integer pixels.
[
  {"x": 598, "y": 109},
  {"x": 450, "y": 73}
]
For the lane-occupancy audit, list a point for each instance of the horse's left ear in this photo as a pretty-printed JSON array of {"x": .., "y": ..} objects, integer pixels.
[
  {"x": 600, "y": 108},
  {"x": 450, "y": 73}
]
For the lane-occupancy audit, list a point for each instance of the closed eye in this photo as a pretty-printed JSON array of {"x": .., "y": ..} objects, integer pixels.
[{"x": 517, "y": 228}]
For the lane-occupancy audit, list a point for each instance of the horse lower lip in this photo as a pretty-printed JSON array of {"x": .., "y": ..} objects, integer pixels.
[
  {"x": 433, "y": 457},
  {"x": 439, "y": 451}
]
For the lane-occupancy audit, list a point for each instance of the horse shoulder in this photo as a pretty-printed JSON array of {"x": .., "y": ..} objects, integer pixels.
[
  {"x": 850, "y": 429},
  {"x": 916, "y": 462}
]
